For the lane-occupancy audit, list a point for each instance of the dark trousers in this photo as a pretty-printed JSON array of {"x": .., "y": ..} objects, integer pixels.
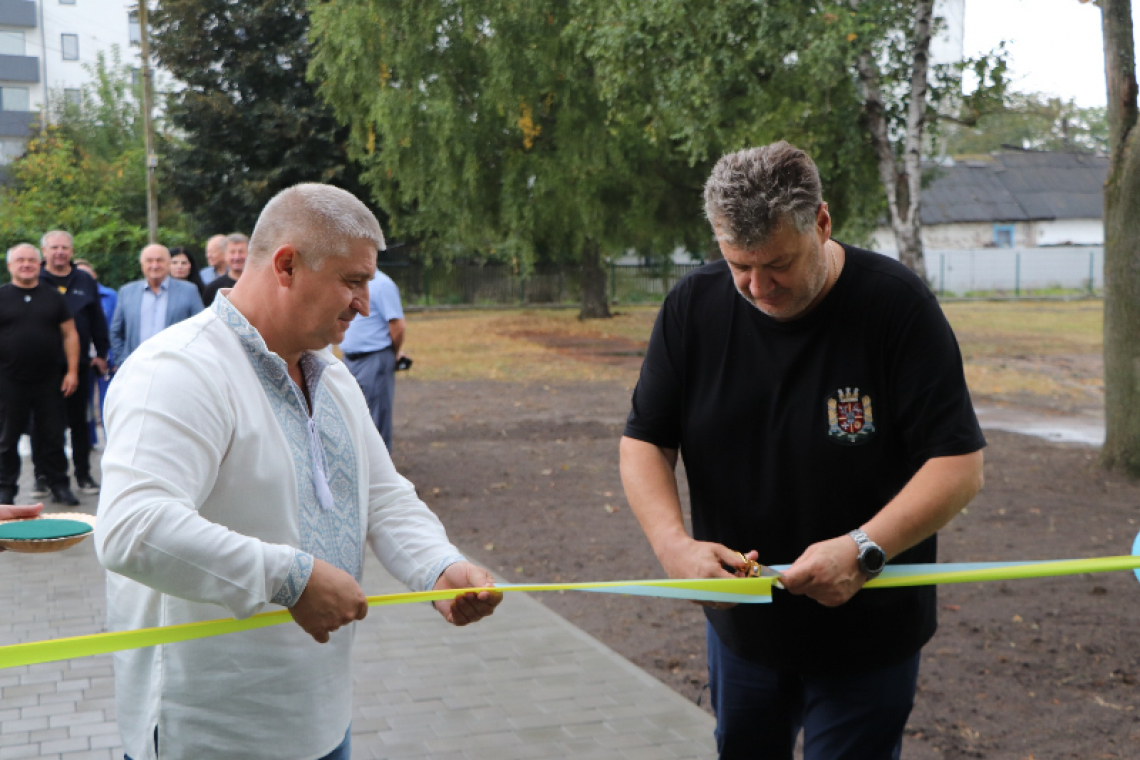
[
  {"x": 74, "y": 409},
  {"x": 22, "y": 400},
  {"x": 375, "y": 372},
  {"x": 760, "y": 711}
]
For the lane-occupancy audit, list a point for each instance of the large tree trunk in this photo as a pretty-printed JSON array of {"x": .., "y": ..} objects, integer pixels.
[
  {"x": 595, "y": 304},
  {"x": 902, "y": 179},
  {"x": 1121, "y": 246}
]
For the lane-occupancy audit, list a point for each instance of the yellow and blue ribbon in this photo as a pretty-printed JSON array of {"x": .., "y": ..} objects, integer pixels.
[{"x": 734, "y": 590}]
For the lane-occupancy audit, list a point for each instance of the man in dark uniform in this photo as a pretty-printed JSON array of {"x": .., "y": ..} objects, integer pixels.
[
  {"x": 81, "y": 292},
  {"x": 816, "y": 393},
  {"x": 36, "y": 333}
]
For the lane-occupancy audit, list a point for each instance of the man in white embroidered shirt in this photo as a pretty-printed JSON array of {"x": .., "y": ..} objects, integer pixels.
[{"x": 242, "y": 470}]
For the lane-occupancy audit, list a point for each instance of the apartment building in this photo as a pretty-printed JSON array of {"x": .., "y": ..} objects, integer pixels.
[{"x": 44, "y": 46}]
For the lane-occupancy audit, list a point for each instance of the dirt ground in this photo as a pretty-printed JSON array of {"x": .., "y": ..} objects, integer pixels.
[{"x": 525, "y": 477}]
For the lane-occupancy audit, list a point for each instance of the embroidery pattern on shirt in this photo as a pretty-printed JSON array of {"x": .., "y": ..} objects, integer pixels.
[
  {"x": 333, "y": 535},
  {"x": 295, "y": 581}
]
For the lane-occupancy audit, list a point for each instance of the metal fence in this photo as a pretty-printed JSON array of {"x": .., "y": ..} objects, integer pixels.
[
  {"x": 1017, "y": 271},
  {"x": 499, "y": 285},
  {"x": 1000, "y": 272}
]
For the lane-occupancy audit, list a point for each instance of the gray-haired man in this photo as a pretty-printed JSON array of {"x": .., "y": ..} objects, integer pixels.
[
  {"x": 242, "y": 471},
  {"x": 216, "y": 264},
  {"x": 816, "y": 393},
  {"x": 237, "y": 248}
]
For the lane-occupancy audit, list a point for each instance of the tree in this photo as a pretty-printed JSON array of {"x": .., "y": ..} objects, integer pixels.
[
  {"x": 1033, "y": 121},
  {"x": 485, "y": 134},
  {"x": 251, "y": 125},
  {"x": 706, "y": 79},
  {"x": 1121, "y": 245},
  {"x": 859, "y": 98}
]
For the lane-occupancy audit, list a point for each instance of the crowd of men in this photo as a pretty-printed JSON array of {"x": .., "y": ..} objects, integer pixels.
[
  {"x": 109, "y": 325},
  {"x": 63, "y": 335}
]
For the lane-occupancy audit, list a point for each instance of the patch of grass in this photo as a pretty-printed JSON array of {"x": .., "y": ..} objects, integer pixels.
[
  {"x": 1008, "y": 347},
  {"x": 509, "y": 345},
  {"x": 1027, "y": 328}
]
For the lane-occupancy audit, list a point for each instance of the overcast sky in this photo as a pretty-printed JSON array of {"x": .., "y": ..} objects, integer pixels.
[{"x": 1055, "y": 45}]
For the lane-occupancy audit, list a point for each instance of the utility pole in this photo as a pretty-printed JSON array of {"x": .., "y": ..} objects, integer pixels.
[{"x": 148, "y": 127}]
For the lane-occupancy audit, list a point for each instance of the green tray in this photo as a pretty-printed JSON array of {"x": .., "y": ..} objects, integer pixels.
[{"x": 42, "y": 529}]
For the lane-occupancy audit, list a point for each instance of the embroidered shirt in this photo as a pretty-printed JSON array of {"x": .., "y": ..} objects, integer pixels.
[{"x": 219, "y": 490}]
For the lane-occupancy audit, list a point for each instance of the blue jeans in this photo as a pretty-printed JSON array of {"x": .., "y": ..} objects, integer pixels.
[
  {"x": 760, "y": 711},
  {"x": 342, "y": 752}
]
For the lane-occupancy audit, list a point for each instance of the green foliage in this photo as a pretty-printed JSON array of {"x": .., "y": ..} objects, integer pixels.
[
  {"x": 711, "y": 78},
  {"x": 1034, "y": 122},
  {"x": 106, "y": 121},
  {"x": 251, "y": 124},
  {"x": 485, "y": 134}
]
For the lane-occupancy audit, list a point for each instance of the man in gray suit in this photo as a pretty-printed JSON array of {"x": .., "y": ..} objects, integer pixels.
[{"x": 147, "y": 307}]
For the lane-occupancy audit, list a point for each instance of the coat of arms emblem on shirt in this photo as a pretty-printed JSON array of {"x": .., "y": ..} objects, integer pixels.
[{"x": 850, "y": 418}]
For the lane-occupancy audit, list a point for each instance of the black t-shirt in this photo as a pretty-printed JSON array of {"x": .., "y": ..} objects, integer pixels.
[
  {"x": 81, "y": 293},
  {"x": 31, "y": 345},
  {"x": 225, "y": 281},
  {"x": 800, "y": 431}
]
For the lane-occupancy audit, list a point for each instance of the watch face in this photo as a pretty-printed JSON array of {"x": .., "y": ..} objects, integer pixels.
[{"x": 873, "y": 559}]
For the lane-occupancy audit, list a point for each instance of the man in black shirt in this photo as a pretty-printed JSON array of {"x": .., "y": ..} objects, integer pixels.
[
  {"x": 81, "y": 292},
  {"x": 237, "y": 247},
  {"x": 816, "y": 393},
  {"x": 36, "y": 333}
]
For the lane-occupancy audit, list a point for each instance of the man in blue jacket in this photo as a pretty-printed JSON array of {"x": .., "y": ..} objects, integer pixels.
[{"x": 147, "y": 307}]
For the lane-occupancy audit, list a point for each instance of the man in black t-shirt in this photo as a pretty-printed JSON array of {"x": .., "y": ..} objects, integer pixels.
[
  {"x": 37, "y": 333},
  {"x": 816, "y": 393},
  {"x": 81, "y": 293}
]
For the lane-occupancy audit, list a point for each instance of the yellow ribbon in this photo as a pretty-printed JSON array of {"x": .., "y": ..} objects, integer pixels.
[
  {"x": 32, "y": 653},
  {"x": 719, "y": 589}
]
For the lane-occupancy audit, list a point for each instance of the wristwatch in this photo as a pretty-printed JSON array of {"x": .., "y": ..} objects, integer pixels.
[{"x": 871, "y": 556}]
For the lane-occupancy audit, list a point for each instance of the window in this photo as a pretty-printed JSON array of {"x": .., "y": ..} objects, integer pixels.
[
  {"x": 69, "y": 44},
  {"x": 133, "y": 29},
  {"x": 14, "y": 99},
  {"x": 1003, "y": 235},
  {"x": 10, "y": 150},
  {"x": 73, "y": 96},
  {"x": 12, "y": 43},
  {"x": 136, "y": 76},
  {"x": 67, "y": 2}
]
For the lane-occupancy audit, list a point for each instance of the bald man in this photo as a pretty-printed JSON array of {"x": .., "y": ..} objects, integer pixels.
[
  {"x": 242, "y": 473},
  {"x": 147, "y": 307},
  {"x": 215, "y": 260}
]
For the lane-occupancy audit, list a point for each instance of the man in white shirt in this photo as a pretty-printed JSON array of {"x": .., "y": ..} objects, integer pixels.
[{"x": 242, "y": 471}]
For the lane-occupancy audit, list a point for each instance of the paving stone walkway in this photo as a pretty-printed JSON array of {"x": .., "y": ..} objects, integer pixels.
[{"x": 522, "y": 684}]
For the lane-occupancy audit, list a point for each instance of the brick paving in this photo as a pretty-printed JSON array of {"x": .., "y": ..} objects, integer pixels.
[{"x": 522, "y": 684}]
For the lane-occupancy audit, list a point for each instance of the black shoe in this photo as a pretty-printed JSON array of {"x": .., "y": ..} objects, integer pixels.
[
  {"x": 41, "y": 488},
  {"x": 8, "y": 495},
  {"x": 63, "y": 495},
  {"x": 86, "y": 484}
]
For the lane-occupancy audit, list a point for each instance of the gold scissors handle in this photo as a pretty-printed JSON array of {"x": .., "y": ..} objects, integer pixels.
[{"x": 753, "y": 569}]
